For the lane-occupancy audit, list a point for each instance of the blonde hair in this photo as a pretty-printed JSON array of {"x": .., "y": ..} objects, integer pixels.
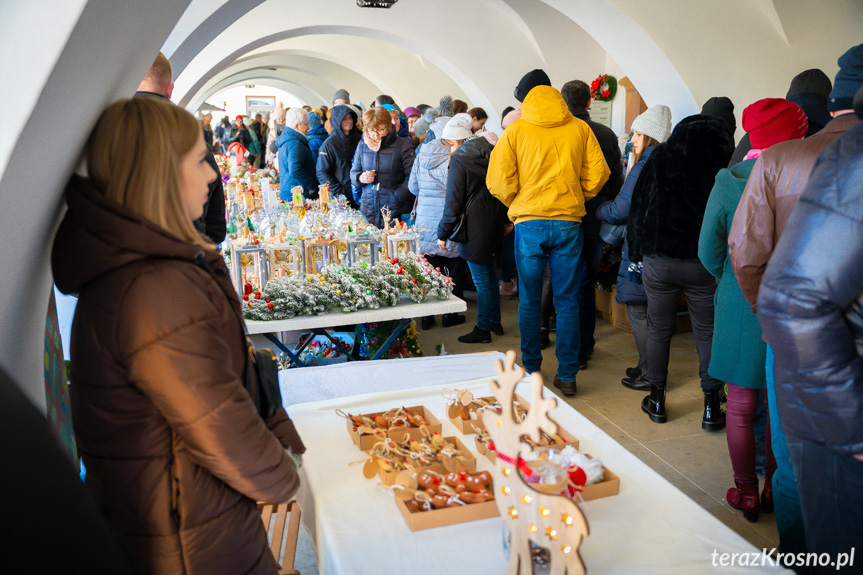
[
  {"x": 133, "y": 157},
  {"x": 376, "y": 118}
]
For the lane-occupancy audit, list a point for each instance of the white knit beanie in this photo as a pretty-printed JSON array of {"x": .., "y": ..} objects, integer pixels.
[
  {"x": 654, "y": 122},
  {"x": 458, "y": 128}
]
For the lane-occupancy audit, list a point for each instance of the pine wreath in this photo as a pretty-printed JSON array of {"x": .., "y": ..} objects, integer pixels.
[{"x": 604, "y": 95}]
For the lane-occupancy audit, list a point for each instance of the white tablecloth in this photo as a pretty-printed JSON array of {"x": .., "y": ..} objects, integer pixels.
[
  {"x": 404, "y": 309},
  {"x": 649, "y": 527}
]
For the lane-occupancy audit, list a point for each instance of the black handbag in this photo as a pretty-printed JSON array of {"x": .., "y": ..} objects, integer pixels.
[
  {"x": 268, "y": 399},
  {"x": 459, "y": 230}
]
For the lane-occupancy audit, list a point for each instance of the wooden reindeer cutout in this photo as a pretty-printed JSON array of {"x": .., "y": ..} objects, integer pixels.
[{"x": 551, "y": 521}]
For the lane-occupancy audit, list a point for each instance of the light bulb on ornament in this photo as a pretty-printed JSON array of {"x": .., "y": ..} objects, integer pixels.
[
  {"x": 532, "y": 528},
  {"x": 566, "y": 549},
  {"x": 566, "y": 519},
  {"x": 504, "y": 490},
  {"x": 506, "y": 471},
  {"x": 513, "y": 512},
  {"x": 526, "y": 499},
  {"x": 544, "y": 511}
]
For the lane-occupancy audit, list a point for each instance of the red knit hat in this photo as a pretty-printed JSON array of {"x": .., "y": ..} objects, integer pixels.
[
  {"x": 773, "y": 120},
  {"x": 239, "y": 117}
]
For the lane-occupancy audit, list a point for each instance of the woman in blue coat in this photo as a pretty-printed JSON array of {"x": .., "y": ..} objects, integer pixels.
[
  {"x": 738, "y": 351},
  {"x": 649, "y": 129},
  {"x": 381, "y": 169}
]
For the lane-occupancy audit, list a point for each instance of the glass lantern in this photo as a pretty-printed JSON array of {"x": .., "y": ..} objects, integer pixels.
[
  {"x": 399, "y": 245},
  {"x": 319, "y": 252},
  {"x": 285, "y": 260},
  {"x": 361, "y": 249},
  {"x": 249, "y": 266}
]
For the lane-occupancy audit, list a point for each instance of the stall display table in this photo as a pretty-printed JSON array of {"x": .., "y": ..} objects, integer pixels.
[
  {"x": 649, "y": 527},
  {"x": 319, "y": 324}
]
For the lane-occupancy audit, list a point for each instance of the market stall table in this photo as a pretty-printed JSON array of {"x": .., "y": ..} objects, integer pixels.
[
  {"x": 649, "y": 527},
  {"x": 318, "y": 324}
]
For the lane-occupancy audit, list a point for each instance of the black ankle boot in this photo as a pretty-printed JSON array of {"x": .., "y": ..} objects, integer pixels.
[
  {"x": 497, "y": 328},
  {"x": 654, "y": 405},
  {"x": 428, "y": 322},
  {"x": 714, "y": 417},
  {"x": 476, "y": 336},
  {"x": 450, "y": 319}
]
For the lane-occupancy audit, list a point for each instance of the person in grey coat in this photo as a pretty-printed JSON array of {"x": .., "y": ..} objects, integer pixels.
[{"x": 428, "y": 183}]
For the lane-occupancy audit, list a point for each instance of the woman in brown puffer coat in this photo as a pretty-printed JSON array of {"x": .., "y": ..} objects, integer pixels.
[{"x": 170, "y": 437}]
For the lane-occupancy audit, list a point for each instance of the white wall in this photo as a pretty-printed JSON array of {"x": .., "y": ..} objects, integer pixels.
[{"x": 234, "y": 100}]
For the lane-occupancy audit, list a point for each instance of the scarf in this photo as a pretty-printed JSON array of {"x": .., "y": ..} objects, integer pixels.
[{"x": 373, "y": 146}]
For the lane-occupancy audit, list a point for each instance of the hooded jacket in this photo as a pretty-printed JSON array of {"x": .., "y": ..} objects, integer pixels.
[
  {"x": 630, "y": 289},
  {"x": 336, "y": 153},
  {"x": 778, "y": 178},
  {"x": 546, "y": 164},
  {"x": 468, "y": 168},
  {"x": 738, "y": 352},
  {"x": 428, "y": 183},
  {"x": 316, "y": 137},
  {"x": 392, "y": 165},
  {"x": 671, "y": 193},
  {"x": 170, "y": 437},
  {"x": 811, "y": 303},
  {"x": 296, "y": 165}
]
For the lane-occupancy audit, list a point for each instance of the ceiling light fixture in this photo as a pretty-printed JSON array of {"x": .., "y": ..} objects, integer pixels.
[{"x": 376, "y": 3}]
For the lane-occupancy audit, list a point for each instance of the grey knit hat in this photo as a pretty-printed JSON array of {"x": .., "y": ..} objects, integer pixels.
[
  {"x": 654, "y": 122},
  {"x": 445, "y": 106},
  {"x": 342, "y": 94}
]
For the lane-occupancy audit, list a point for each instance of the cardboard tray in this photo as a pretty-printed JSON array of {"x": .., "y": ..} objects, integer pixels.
[
  {"x": 609, "y": 485},
  {"x": 466, "y": 427},
  {"x": 468, "y": 461},
  {"x": 366, "y": 442},
  {"x": 447, "y": 516}
]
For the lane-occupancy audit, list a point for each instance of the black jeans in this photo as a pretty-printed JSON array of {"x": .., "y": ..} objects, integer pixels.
[{"x": 664, "y": 280}]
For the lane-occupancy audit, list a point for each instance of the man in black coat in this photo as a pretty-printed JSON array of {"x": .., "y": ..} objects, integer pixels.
[
  {"x": 333, "y": 164},
  {"x": 809, "y": 307},
  {"x": 576, "y": 94},
  {"x": 157, "y": 83}
]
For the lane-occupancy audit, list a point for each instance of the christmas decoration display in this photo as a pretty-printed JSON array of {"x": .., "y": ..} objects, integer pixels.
[
  {"x": 463, "y": 410},
  {"x": 603, "y": 88},
  {"x": 579, "y": 469},
  {"x": 348, "y": 289},
  {"x": 428, "y": 490},
  {"x": 389, "y": 455},
  {"x": 537, "y": 516},
  {"x": 370, "y": 338},
  {"x": 399, "y": 424}
]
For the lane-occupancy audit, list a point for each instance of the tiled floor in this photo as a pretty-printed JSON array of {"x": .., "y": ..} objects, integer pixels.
[{"x": 695, "y": 461}]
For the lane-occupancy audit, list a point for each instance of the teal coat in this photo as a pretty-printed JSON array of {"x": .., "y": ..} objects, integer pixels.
[{"x": 738, "y": 351}]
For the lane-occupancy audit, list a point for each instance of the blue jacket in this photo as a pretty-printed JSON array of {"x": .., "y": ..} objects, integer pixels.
[
  {"x": 316, "y": 137},
  {"x": 296, "y": 165},
  {"x": 630, "y": 290},
  {"x": 392, "y": 164},
  {"x": 810, "y": 303}
]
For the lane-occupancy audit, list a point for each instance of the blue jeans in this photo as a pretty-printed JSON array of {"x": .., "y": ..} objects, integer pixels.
[
  {"x": 831, "y": 491},
  {"x": 786, "y": 499},
  {"x": 487, "y": 294},
  {"x": 557, "y": 243},
  {"x": 507, "y": 257},
  {"x": 587, "y": 270}
]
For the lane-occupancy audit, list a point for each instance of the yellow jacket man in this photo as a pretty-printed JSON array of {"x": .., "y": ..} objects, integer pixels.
[{"x": 544, "y": 168}]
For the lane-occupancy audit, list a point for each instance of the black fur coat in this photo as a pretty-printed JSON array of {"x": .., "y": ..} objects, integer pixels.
[{"x": 670, "y": 196}]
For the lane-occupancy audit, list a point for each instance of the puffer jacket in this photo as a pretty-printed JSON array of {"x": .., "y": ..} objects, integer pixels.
[
  {"x": 316, "y": 138},
  {"x": 811, "y": 303},
  {"x": 428, "y": 183},
  {"x": 671, "y": 193},
  {"x": 392, "y": 165},
  {"x": 468, "y": 168},
  {"x": 546, "y": 164},
  {"x": 630, "y": 289},
  {"x": 778, "y": 178},
  {"x": 336, "y": 154},
  {"x": 170, "y": 438},
  {"x": 296, "y": 165}
]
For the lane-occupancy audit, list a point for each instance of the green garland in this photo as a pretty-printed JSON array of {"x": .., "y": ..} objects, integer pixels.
[
  {"x": 349, "y": 289},
  {"x": 600, "y": 95}
]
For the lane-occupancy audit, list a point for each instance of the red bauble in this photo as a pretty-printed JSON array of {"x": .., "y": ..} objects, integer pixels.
[
  {"x": 396, "y": 260},
  {"x": 245, "y": 298},
  {"x": 250, "y": 304},
  {"x": 269, "y": 306},
  {"x": 414, "y": 280},
  {"x": 267, "y": 300},
  {"x": 257, "y": 295}
]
